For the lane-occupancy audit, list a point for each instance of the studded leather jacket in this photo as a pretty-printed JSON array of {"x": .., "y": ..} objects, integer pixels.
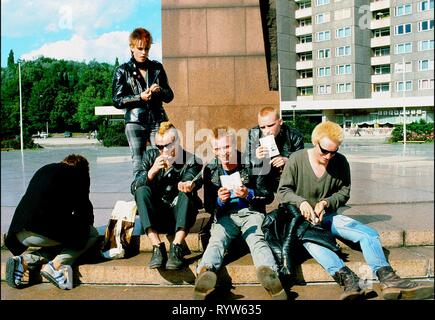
[{"x": 127, "y": 86}]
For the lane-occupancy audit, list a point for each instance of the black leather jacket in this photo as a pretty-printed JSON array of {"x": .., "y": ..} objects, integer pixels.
[
  {"x": 166, "y": 183},
  {"x": 211, "y": 180},
  {"x": 127, "y": 87},
  {"x": 285, "y": 229}
]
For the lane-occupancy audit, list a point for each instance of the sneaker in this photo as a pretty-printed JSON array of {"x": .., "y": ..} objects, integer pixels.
[
  {"x": 270, "y": 281},
  {"x": 175, "y": 258},
  {"x": 61, "y": 278},
  {"x": 205, "y": 282},
  {"x": 14, "y": 271}
]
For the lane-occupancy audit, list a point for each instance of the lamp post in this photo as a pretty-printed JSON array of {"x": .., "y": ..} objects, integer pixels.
[
  {"x": 294, "y": 114},
  {"x": 403, "y": 95},
  {"x": 21, "y": 108}
]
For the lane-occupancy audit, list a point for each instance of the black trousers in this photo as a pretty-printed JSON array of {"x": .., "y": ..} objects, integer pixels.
[{"x": 161, "y": 217}]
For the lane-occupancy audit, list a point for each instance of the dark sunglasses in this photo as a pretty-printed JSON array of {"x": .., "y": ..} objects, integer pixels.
[
  {"x": 324, "y": 151},
  {"x": 162, "y": 146}
]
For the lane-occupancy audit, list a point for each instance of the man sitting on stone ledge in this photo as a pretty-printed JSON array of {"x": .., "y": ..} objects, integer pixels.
[
  {"x": 237, "y": 207},
  {"x": 317, "y": 181},
  {"x": 166, "y": 195}
]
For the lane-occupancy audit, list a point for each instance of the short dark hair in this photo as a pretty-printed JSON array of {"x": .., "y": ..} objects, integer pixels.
[{"x": 77, "y": 161}]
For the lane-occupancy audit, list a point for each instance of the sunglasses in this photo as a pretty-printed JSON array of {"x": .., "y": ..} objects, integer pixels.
[
  {"x": 324, "y": 151},
  {"x": 162, "y": 146}
]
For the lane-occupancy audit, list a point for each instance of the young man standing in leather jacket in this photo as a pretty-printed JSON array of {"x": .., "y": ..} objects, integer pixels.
[
  {"x": 288, "y": 140},
  {"x": 317, "y": 181},
  {"x": 166, "y": 195},
  {"x": 237, "y": 210},
  {"x": 139, "y": 87}
]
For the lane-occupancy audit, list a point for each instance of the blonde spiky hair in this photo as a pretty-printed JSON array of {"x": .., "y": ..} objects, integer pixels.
[{"x": 328, "y": 129}]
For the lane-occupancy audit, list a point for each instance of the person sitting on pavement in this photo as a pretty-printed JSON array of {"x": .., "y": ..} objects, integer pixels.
[
  {"x": 166, "y": 195},
  {"x": 318, "y": 182},
  {"x": 287, "y": 139},
  {"x": 55, "y": 214},
  {"x": 235, "y": 211}
]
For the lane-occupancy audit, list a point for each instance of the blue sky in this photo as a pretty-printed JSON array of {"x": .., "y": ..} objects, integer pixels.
[{"x": 79, "y": 30}]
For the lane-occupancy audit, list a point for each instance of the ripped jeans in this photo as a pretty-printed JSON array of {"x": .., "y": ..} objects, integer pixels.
[{"x": 352, "y": 230}]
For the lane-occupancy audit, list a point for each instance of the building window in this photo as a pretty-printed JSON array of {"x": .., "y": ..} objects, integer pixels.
[
  {"x": 323, "y": 36},
  {"x": 343, "y": 32},
  {"x": 425, "y": 84},
  {"x": 424, "y": 45},
  {"x": 305, "y": 91},
  {"x": 343, "y": 69},
  {"x": 403, "y": 29},
  {"x": 305, "y": 4},
  {"x": 305, "y": 22},
  {"x": 403, "y": 10},
  {"x": 382, "y": 69},
  {"x": 305, "y": 39},
  {"x": 304, "y": 74},
  {"x": 424, "y": 65},
  {"x": 323, "y": 53},
  {"x": 383, "y": 32},
  {"x": 381, "y": 87},
  {"x": 342, "y": 51},
  {"x": 324, "y": 72},
  {"x": 305, "y": 56},
  {"x": 322, "y": 2},
  {"x": 425, "y": 25},
  {"x": 381, "y": 51},
  {"x": 398, "y": 67},
  {"x": 403, "y": 86},
  {"x": 322, "y": 18},
  {"x": 403, "y": 48},
  {"x": 344, "y": 87},
  {"x": 425, "y": 5},
  {"x": 324, "y": 89}
]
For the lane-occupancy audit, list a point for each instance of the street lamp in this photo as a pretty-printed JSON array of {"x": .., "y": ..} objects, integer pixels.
[{"x": 294, "y": 114}]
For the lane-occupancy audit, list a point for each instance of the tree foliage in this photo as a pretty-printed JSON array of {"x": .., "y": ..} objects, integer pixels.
[{"x": 58, "y": 92}]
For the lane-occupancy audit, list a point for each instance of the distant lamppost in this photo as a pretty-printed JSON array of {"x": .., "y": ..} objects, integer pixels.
[{"x": 294, "y": 114}]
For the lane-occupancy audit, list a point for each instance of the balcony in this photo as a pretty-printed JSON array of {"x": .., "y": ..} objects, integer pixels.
[
  {"x": 385, "y": 94},
  {"x": 301, "y": 65},
  {"x": 380, "y": 78},
  {"x": 304, "y": 30},
  {"x": 303, "y": 47},
  {"x": 302, "y": 98},
  {"x": 380, "y": 41},
  {"x": 379, "y": 5},
  {"x": 303, "y": 13},
  {"x": 307, "y": 82},
  {"x": 381, "y": 23},
  {"x": 374, "y": 61}
]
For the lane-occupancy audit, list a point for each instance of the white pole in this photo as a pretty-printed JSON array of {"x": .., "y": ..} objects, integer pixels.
[
  {"x": 279, "y": 90},
  {"x": 403, "y": 95},
  {"x": 21, "y": 108}
]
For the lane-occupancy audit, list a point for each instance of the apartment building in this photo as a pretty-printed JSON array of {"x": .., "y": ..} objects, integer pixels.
[{"x": 357, "y": 61}]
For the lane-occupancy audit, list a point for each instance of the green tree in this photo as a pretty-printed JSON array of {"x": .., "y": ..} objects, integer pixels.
[
  {"x": 85, "y": 111},
  {"x": 62, "y": 115},
  {"x": 11, "y": 60}
]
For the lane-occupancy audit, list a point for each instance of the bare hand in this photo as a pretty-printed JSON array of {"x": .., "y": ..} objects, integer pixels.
[
  {"x": 308, "y": 212},
  {"x": 279, "y": 162},
  {"x": 155, "y": 88},
  {"x": 319, "y": 209},
  {"x": 186, "y": 186},
  {"x": 159, "y": 163},
  {"x": 241, "y": 192},
  {"x": 146, "y": 95},
  {"x": 261, "y": 152},
  {"x": 224, "y": 194}
]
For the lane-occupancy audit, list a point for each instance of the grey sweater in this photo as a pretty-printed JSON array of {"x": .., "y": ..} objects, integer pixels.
[{"x": 299, "y": 183}]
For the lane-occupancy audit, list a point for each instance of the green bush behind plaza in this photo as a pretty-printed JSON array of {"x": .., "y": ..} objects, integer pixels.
[
  {"x": 112, "y": 134},
  {"x": 420, "y": 131}
]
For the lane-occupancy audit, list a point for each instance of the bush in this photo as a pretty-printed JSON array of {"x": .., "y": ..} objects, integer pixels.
[
  {"x": 112, "y": 134},
  {"x": 304, "y": 126},
  {"x": 14, "y": 143},
  {"x": 415, "y": 131}
]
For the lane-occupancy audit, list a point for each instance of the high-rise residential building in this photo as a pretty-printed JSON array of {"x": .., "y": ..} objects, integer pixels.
[{"x": 356, "y": 61}]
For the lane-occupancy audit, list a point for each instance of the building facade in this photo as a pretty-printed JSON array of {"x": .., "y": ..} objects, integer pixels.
[{"x": 356, "y": 62}]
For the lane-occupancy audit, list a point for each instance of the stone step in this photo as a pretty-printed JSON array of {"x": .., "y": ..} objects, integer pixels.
[{"x": 415, "y": 262}]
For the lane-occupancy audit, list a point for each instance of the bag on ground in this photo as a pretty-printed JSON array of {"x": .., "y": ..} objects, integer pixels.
[{"x": 117, "y": 238}]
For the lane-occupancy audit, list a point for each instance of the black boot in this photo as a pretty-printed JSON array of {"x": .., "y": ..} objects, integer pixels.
[
  {"x": 175, "y": 259},
  {"x": 347, "y": 279},
  {"x": 205, "y": 282},
  {"x": 269, "y": 279},
  {"x": 159, "y": 256},
  {"x": 394, "y": 288}
]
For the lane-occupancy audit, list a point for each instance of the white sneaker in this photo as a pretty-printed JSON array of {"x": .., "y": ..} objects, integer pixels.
[{"x": 62, "y": 278}]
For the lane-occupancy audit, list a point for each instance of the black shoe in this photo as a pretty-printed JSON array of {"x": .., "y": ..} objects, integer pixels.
[
  {"x": 205, "y": 282},
  {"x": 175, "y": 259},
  {"x": 159, "y": 256},
  {"x": 394, "y": 288},
  {"x": 269, "y": 279},
  {"x": 349, "y": 281}
]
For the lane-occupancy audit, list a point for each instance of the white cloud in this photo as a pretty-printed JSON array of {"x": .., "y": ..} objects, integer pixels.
[{"x": 104, "y": 48}]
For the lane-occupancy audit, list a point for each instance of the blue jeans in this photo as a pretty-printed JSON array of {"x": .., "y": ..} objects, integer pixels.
[
  {"x": 226, "y": 228},
  {"x": 352, "y": 230}
]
